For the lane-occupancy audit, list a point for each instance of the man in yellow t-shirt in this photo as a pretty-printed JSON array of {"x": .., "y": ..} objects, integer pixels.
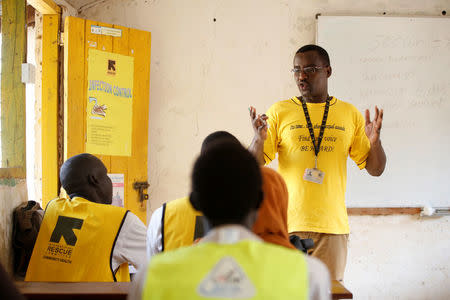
[{"x": 313, "y": 135}]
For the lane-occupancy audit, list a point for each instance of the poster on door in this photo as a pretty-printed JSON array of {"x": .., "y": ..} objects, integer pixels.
[
  {"x": 118, "y": 183},
  {"x": 109, "y": 103}
]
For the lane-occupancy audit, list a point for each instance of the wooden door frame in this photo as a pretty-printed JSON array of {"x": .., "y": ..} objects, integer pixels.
[{"x": 49, "y": 94}]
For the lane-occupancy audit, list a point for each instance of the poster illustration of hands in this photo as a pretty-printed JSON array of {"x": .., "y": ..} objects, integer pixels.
[{"x": 109, "y": 103}]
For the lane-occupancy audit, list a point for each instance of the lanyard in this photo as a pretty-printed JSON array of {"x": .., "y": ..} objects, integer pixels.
[{"x": 322, "y": 127}]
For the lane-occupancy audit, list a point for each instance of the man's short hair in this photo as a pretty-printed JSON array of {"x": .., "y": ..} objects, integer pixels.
[
  {"x": 319, "y": 50},
  {"x": 86, "y": 176},
  {"x": 75, "y": 171},
  {"x": 226, "y": 183},
  {"x": 217, "y": 136}
]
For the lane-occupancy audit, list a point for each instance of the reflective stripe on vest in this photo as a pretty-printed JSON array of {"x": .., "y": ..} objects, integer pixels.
[
  {"x": 251, "y": 269},
  {"x": 181, "y": 224},
  {"x": 75, "y": 242}
]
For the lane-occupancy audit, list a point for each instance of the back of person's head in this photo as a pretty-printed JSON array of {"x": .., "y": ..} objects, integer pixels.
[
  {"x": 85, "y": 175},
  {"x": 218, "y": 136},
  {"x": 226, "y": 184},
  {"x": 323, "y": 54}
]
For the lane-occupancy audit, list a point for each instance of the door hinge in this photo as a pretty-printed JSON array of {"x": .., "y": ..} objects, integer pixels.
[{"x": 61, "y": 38}]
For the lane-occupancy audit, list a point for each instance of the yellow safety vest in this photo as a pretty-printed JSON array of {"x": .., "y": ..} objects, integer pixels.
[
  {"x": 75, "y": 242},
  {"x": 244, "y": 270},
  {"x": 181, "y": 224}
]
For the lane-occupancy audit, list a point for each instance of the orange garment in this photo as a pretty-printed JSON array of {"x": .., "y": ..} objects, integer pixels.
[{"x": 271, "y": 224}]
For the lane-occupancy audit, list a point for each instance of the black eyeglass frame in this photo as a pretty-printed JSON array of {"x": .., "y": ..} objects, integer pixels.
[{"x": 308, "y": 70}]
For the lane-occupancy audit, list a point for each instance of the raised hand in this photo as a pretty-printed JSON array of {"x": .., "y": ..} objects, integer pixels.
[
  {"x": 373, "y": 128},
  {"x": 259, "y": 123}
]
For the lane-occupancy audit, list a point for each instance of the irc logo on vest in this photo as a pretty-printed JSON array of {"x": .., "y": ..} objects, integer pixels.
[{"x": 64, "y": 227}]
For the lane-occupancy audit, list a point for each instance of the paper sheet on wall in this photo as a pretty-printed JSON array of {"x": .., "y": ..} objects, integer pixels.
[
  {"x": 118, "y": 183},
  {"x": 109, "y": 103}
]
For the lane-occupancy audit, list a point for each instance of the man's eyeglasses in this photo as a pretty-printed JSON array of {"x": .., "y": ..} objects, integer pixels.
[{"x": 307, "y": 70}]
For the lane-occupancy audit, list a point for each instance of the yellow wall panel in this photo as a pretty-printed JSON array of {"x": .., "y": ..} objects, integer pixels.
[
  {"x": 119, "y": 164},
  {"x": 104, "y": 43},
  {"x": 140, "y": 46},
  {"x": 50, "y": 51},
  {"x": 74, "y": 87},
  {"x": 91, "y": 43},
  {"x": 12, "y": 88}
]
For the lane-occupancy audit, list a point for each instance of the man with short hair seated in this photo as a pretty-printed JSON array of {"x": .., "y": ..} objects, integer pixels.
[
  {"x": 176, "y": 224},
  {"x": 230, "y": 261},
  {"x": 84, "y": 238}
]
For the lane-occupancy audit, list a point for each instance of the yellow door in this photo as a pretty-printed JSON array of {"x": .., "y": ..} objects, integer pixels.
[{"x": 80, "y": 38}]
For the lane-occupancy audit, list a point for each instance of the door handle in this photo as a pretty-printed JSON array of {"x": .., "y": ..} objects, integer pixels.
[{"x": 140, "y": 186}]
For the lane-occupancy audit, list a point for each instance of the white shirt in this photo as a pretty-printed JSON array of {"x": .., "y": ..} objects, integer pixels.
[
  {"x": 154, "y": 236},
  {"x": 131, "y": 243},
  {"x": 318, "y": 275}
]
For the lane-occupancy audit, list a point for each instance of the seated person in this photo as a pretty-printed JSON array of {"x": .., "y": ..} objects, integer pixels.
[
  {"x": 176, "y": 223},
  {"x": 84, "y": 238},
  {"x": 230, "y": 261},
  {"x": 271, "y": 224}
]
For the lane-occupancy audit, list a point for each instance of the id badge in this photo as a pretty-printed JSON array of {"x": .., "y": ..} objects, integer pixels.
[{"x": 314, "y": 175}]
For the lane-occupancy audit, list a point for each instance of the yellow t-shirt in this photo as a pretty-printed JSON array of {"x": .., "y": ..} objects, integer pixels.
[{"x": 316, "y": 207}]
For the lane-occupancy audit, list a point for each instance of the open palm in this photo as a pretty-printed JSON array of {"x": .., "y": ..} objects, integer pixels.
[
  {"x": 373, "y": 128},
  {"x": 259, "y": 123}
]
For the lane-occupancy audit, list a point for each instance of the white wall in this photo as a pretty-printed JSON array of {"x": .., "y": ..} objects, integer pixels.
[
  {"x": 399, "y": 257},
  {"x": 204, "y": 75}
]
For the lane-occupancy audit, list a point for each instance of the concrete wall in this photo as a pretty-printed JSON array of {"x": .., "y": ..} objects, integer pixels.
[
  {"x": 399, "y": 257},
  {"x": 211, "y": 59},
  {"x": 12, "y": 193}
]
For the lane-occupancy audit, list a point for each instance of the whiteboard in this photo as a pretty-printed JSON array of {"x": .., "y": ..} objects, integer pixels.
[{"x": 401, "y": 64}]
